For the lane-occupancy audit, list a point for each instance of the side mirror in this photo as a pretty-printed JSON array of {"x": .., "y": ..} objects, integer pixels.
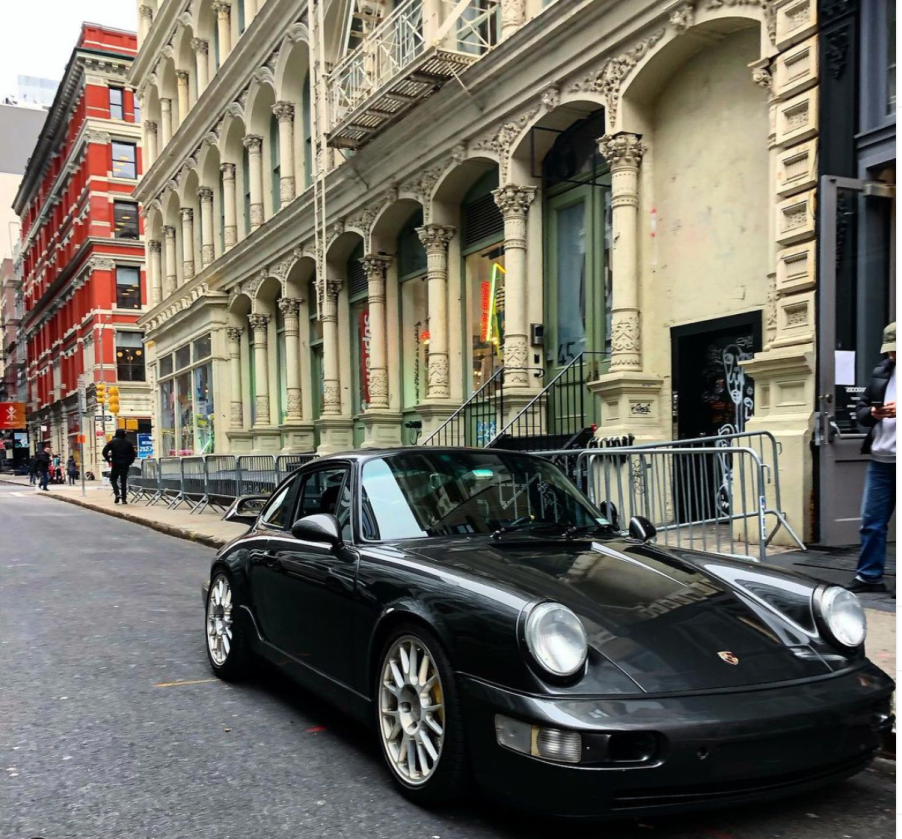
[
  {"x": 246, "y": 509},
  {"x": 642, "y": 529},
  {"x": 321, "y": 527},
  {"x": 609, "y": 510}
]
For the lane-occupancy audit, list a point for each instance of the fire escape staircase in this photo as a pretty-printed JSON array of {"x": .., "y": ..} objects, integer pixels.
[
  {"x": 403, "y": 59},
  {"x": 557, "y": 417}
]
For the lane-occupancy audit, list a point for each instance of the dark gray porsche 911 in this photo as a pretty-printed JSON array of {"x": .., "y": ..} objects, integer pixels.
[{"x": 491, "y": 623}]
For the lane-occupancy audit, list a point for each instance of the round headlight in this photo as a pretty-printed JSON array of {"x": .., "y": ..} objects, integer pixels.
[
  {"x": 556, "y": 639},
  {"x": 843, "y": 616}
]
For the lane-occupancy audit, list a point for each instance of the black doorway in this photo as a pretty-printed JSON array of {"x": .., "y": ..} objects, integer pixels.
[{"x": 712, "y": 397}]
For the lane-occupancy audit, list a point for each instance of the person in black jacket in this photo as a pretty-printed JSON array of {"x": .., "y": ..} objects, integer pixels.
[
  {"x": 119, "y": 453},
  {"x": 876, "y": 411},
  {"x": 42, "y": 467}
]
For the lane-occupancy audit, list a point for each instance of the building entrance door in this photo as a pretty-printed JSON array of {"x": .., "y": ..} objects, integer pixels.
[
  {"x": 712, "y": 397},
  {"x": 856, "y": 300}
]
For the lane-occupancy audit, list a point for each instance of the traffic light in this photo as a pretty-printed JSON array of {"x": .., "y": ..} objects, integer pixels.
[
  {"x": 100, "y": 392},
  {"x": 114, "y": 400}
]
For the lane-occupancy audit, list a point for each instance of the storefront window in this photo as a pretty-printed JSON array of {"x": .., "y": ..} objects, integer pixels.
[
  {"x": 130, "y": 357},
  {"x": 185, "y": 395},
  {"x": 203, "y": 348},
  {"x": 571, "y": 285},
  {"x": 203, "y": 408},
  {"x": 182, "y": 357},
  {"x": 167, "y": 418},
  {"x": 166, "y": 366},
  {"x": 485, "y": 274},
  {"x": 414, "y": 340}
]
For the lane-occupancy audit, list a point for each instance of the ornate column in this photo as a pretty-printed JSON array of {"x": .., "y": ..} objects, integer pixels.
[
  {"x": 290, "y": 309},
  {"x": 435, "y": 238},
  {"x": 165, "y": 122},
  {"x": 145, "y": 21},
  {"x": 514, "y": 201},
  {"x": 254, "y": 145},
  {"x": 171, "y": 274},
  {"x": 202, "y": 63},
  {"x": 187, "y": 215},
  {"x": 328, "y": 295},
  {"x": 233, "y": 333},
  {"x": 513, "y": 16},
  {"x": 623, "y": 153},
  {"x": 223, "y": 10},
  {"x": 151, "y": 145},
  {"x": 207, "y": 251},
  {"x": 230, "y": 209},
  {"x": 284, "y": 112},
  {"x": 154, "y": 269},
  {"x": 375, "y": 267},
  {"x": 181, "y": 79},
  {"x": 260, "y": 326}
]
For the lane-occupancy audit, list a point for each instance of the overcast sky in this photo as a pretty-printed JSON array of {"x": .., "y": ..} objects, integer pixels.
[{"x": 38, "y": 36}]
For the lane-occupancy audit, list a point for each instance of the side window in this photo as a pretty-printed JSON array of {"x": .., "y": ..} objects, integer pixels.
[
  {"x": 278, "y": 511},
  {"x": 322, "y": 493}
]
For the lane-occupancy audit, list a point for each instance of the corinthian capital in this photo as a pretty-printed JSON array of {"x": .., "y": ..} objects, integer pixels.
[
  {"x": 258, "y": 322},
  {"x": 284, "y": 111},
  {"x": 253, "y": 143},
  {"x": 289, "y": 307},
  {"x": 435, "y": 237},
  {"x": 205, "y": 194},
  {"x": 375, "y": 266},
  {"x": 200, "y": 45},
  {"x": 621, "y": 150},
  {"x": 514, "y": 200}
]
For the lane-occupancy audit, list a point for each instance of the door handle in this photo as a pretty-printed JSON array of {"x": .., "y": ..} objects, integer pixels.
[{"x": 271, "y": 560}]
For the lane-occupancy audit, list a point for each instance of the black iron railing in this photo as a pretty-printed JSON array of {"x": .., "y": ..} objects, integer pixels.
[
  {"x": 477, "y": 422},
  {"x": 561, "y": 416}
]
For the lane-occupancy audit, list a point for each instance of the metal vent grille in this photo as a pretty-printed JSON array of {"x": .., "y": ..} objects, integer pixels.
[
  {"x": 356, "y": 278},
  {"x": 482, "y": 220}
]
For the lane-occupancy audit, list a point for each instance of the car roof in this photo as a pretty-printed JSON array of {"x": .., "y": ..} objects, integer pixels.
[{"x": 367, "y": 454}]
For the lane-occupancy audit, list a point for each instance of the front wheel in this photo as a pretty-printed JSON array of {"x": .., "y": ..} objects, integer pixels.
[
  {"x": 419, "y": 718},
  {"x": 227, "y": 649}
]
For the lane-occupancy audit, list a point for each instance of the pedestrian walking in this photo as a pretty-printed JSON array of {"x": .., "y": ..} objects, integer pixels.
[
  {"x": 120, "y": 454},
  {"x": 876, "y": 411},
  {"x": 42, "y": 465},
  {"x": 72, "y": 470},
  {"x": 32, "y": 470}
]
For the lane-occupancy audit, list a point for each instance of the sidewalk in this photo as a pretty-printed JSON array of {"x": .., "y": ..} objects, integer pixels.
[{"x": 208, "y": 528}]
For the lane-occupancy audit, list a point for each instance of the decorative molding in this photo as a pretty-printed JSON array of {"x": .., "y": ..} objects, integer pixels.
[
  {"x": 501, "y": 141},
  {"x": 837, "y": 51},
  {"x": 683, "y": 17},
  {"x": 622, "y": 150},
  {"x": 609, "y": 77}
]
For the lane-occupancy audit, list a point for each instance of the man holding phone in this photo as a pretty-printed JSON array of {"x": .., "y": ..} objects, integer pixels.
[{"x": 876, "y": 411}]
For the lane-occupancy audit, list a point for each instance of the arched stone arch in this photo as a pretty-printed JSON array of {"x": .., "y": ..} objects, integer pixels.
[
  {"x": 168, "y": 87},
  {"x": 389, "y": 220},
  {"x": 292, "y": 85},
  {"x": 210, "y": 177},
  {"x": 203, "y": 23},
  {"x": 189, "y": 200},
  {"x": 266, "y": 290},
  {"x": 301, "y": 274},
  {"x": 232, "y": 151},
  {"x": 442, "y": 201},
  {"x": 183, "y": 54},
  {"x": 173, "y": 271},
  {"x": 261, "y": 122}
]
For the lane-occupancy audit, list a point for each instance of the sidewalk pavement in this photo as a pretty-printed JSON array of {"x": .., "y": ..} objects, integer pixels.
[{"x": 208, "y": 528}]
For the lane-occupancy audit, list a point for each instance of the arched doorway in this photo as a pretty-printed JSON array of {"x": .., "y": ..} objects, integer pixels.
[{"x": 577, "y": 189}]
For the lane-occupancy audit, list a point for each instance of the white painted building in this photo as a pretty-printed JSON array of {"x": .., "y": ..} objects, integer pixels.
[{"x": 358, "y": 212}]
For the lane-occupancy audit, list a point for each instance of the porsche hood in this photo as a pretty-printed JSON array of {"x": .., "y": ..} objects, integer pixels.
[{"x": 669, "y": 620}]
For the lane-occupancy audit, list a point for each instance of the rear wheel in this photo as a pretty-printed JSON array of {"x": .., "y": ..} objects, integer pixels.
[
  {"x": 227, "y": 648},
  {"x": 419, "y": 718}
]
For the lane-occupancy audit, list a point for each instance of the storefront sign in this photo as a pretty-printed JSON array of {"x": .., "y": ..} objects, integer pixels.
[
  {"x": 12, "y": 415},
  {"x": 145, "y": 445}
]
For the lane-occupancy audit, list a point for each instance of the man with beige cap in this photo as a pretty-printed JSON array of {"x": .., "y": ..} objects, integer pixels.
[{"x": 876, "y": 411}]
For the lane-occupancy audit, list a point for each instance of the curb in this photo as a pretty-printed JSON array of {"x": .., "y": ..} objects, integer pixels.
[{"x": 161, "y": 527}]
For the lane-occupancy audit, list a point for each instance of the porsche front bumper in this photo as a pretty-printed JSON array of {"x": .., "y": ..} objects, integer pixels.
[{"x": 714, "y": 749}]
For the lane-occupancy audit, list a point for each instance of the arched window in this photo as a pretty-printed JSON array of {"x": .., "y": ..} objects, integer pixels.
[{"x": 275, "y": 162}]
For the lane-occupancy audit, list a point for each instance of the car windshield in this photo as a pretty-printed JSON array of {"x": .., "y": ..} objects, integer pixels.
[{"x": 417, "y": 494}]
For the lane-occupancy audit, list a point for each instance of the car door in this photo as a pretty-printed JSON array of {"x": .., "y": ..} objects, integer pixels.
[
  {"x": 270, "y": 531},
  {"x": 318, "y": 582}
]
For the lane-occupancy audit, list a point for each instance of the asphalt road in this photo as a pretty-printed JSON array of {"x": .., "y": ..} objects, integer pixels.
[{"x": 111, "y": 726}]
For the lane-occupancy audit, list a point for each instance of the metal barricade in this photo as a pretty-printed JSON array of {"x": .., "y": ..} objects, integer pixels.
[
  {"x": 150, "y": 469},
  {"x": 706, "y": 498},
  {"x": 257, "y": 474},
  {"x": 288, "y": 463},
  {"x": 135, "y": 482},
  {"x": 171, "y": 481},
  {"x": 222, "y": 479},
  {"x": 194, "y": 482}
]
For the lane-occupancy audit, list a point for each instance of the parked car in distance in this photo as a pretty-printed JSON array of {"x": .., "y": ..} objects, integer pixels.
[{"x": 490, "y": 623}]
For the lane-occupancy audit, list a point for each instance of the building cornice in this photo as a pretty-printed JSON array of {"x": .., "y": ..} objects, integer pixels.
[{"x": 251, "y": 52}]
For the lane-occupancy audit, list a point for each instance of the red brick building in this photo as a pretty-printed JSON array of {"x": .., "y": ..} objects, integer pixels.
[{"x": 83, "y": 278}]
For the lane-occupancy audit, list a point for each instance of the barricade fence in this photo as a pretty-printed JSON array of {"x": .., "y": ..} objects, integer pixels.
[
  {"x": 721, "y": 496},
  {"x": 209, "y": 480}
]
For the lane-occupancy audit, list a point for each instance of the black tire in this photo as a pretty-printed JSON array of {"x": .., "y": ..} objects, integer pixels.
[
  {"x": 450, "y": 774},
  {"x": 237, "y": 662}
]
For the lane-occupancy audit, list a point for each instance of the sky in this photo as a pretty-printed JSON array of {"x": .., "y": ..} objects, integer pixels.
[{"x": 38, "y": 36}]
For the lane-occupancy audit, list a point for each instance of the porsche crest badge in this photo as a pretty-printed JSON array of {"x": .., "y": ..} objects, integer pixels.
[{"x": 728, "y": 657}]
